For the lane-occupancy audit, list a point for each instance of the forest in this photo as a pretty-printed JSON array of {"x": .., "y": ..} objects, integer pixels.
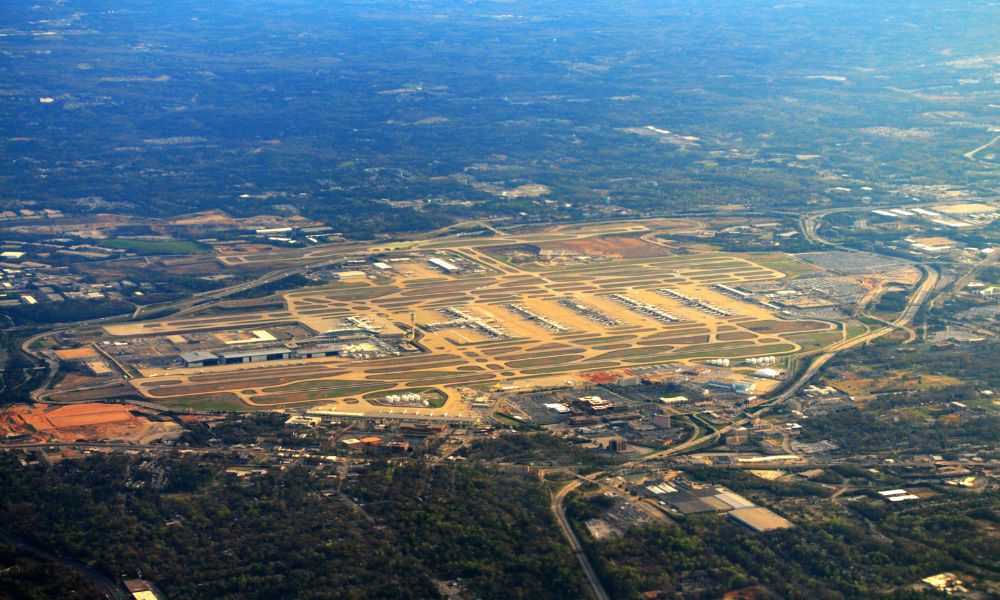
[
  {"x": 390, "y": 533},
  {"x": 844, "y": 554},
  {"x": 539, "y": 448},
  {"x": 912, "y": 418},
  {"x": 381, "y": 117},
  {"x": 24, "y": 577}
]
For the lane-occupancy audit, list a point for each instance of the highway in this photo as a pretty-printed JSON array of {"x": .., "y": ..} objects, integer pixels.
[
  {"x": 915, "y": 302},
  {"x": 809, "y": 226},
  {"x": 318, "y": 257},
  {"x": 107, "y": 587},
  {"x": 913, "y": 305},
  {"x": 560, "y": 512},
  {"x": 135, "y": 447},
  {"x": 964, "y": 280}
]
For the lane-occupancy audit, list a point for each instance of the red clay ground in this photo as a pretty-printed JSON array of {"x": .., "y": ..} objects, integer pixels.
[{"x": 624, "y": 247}]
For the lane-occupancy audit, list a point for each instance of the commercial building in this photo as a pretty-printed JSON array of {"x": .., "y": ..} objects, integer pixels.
[
  {"x": 738, "y": 437},
  {"x": 662, "y": 421},
  {"x": 628, "y": 380},
  {"x": 595, "y": 404},
  {"x": 303, "y": 421},
  {"x": 618, "y": 445}
]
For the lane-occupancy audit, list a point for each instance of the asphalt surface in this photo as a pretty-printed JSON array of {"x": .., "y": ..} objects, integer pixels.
[
  {"x": 810, "y": 226},
  {"x": 560, "y": 512}
]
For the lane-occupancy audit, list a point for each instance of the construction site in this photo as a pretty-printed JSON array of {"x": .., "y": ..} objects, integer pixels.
[{"x": 83, "y": 422}]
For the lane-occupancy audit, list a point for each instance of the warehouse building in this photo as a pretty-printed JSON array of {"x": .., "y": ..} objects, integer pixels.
[
  {"x": 199, "y": 359},
  {"x": 444, "y": 265},
  {"x": 759, "y": 518},
  {"x": 256, "y": 355},
  {"x": 746, "y": 389},
  {"x": 321, "y": 351},
  {"x": 209, "y": 359},
  {"x": 688, "y": 500}
]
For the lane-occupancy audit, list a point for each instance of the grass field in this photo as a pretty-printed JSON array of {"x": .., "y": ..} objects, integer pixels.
[
  {"x": 207, "y": 403},
  {"x": 854, "y": 330},
  {"x": 892, "y": 381},
  {"x": 152, "y": 247},
  {"x": 791, "y": 267},
  {"x": 815, "y": 341}
]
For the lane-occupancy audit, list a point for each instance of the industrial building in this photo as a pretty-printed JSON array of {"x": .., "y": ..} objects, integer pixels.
[
  {"x": 140, "y": 589},
  {"x": 199, "y": 358},
  {"x": 736, "y": 387},
  {"x": 208, "y": 359},
  {"x": 460, "y": 318},
  {"x": 759, "y": 518},
  {"x": 675, "y": 400},
  {"x": 321, "y": 351},
  {"x": 688, "y": 500},
  {"x": 595, "y": 404},
  {"x": 255, "y": 355},
  {"x": 342, "y": 275},
  {"x": 767, "y": 373},
  {"x": 898, "y": 495},
  {"x": 444, "y": 265}
]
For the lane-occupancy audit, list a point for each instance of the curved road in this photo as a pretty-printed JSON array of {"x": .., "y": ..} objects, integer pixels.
[
  {"x": 915, "y": 302},
  {"x": 809, "y": 226},
  {"x": 107, "y": 587}
]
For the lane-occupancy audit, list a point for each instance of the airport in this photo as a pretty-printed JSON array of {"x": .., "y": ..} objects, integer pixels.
[{"x": 457, "y": 314}]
